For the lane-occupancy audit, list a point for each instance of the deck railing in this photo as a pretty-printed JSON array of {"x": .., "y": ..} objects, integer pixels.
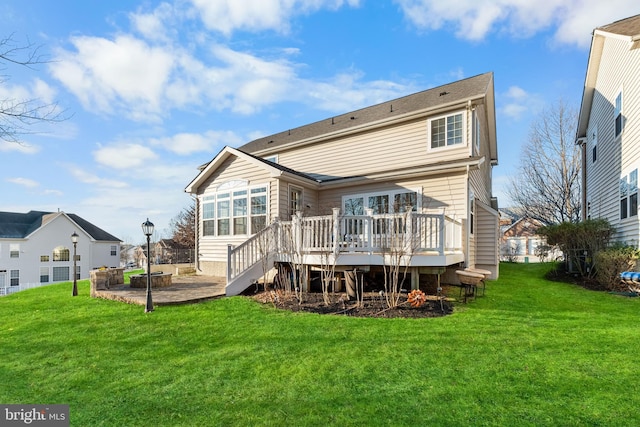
[{"x": 415, "y": 232}]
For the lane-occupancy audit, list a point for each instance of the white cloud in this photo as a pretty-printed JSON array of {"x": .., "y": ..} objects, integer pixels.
[
  {"x": 124, "y": 72},
  {"x": 517, "y": 103},
  {"x": 25, "y": 182},
  {"x": 18, "y": 146},
  {"x": 156, "y": 25},
  {"x": 348, "y": 91},
  {"x": 94, "y": 180},
  {"x": 227, "y": 16},
  {"x": 124, "y": 155},
  {"x": 572, "y": 20},
  {"x": 188, "y": 143}
]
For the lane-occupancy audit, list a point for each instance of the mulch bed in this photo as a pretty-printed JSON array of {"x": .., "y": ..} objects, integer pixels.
[{"x": 373, "y": 305}]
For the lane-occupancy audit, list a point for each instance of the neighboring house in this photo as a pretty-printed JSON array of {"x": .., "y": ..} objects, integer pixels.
[
  {"x": 36, "y": 247},
  {"x": 520, "y": 240},
  {"x": 417, "y": 166},
  {"x": 609, "y": 128}
]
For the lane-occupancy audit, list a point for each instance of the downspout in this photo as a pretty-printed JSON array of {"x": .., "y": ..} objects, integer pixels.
[
  {"x": 468, "y": 233},
  {"x": 583, "y": 185},
  {"x": 197, "y": 232}
]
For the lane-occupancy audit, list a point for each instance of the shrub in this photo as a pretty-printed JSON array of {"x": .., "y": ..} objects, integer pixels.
[
  {"x": 613, "y": 261},
  {"x": 580, "y": 241}
]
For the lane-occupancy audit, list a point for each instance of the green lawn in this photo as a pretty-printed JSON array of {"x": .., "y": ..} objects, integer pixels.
[{"x": 531, "y": 352}]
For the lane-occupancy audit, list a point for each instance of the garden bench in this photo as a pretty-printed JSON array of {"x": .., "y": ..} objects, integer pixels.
[{"x": 632, "y": 280}]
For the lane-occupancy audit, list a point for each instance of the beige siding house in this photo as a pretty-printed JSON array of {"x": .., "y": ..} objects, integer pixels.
[
  {"x": 609, "y": 127},
  {"x": 418, "y": 167}
]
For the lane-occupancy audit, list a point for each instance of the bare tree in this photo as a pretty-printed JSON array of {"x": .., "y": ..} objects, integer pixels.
[
  {"x": 398, "y": 245},
  {"x": 18, "y": 115},
  {"x": 183, "y": 227},
  {"x": 548, "y": 185}
]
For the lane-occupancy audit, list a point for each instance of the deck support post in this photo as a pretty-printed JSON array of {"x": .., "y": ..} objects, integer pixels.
[{"x": 415, "y": 278}]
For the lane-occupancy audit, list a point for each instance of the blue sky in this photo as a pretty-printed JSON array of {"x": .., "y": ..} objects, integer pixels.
[{"x": 154, "y": 89}]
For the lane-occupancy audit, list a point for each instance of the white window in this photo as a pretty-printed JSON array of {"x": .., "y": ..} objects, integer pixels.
[
  {"x": 209, "y": 216},
  {"x": 238, "y": 212},
  {"x": 272, "y": 159},
  {"x": 629, "y": 195},
  {"x": 61, "y": 254},
  {"x": 617, "y": 115},
  {"x": 44, "y": 274},
  {"x": 60, "y": 274},
  {"x": 381, "y": 203},
  {"x": 114, "y": 250},
  {"x": 15, "y": 277},
  {"x": 14, "y": 250},
  {"x": 295, "y": 200},
  {"x": 446, "y": 131},
  {"x": 594, "y": 143}
]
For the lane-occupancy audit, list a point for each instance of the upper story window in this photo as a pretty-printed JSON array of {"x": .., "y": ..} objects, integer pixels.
[
  {"x": 14, "y": 250},
  {"x": 272, "y": 159},
  {"x": 446, "y": 131},
  {"x": 594, "y": 143},
  {"x": 617, "y": 115},
  {"x": 61, "y": 254},
  {"x": 238, "y": 212},
  {"x": 629, "y": 195},
  {"x": 114, "y": 250}
]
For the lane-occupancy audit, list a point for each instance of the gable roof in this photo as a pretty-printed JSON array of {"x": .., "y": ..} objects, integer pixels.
[
  {"x": 624, "y": 27},
  {"x": 20, "y": 225},
  {"x": 452, "y": 94},
  {"x": 628, "y": 28},
  {"x": 273, "y": 168}
]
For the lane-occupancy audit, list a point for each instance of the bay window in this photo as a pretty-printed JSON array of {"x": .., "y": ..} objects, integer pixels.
[{"x": 242, "y": 211}]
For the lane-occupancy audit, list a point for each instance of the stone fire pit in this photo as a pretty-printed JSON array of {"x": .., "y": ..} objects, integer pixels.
[{"x": 158, "y": 280}]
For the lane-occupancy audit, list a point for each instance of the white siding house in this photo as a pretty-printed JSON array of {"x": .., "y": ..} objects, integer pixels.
[
  {"x": 36, "y": 248},
  {"x": 609, "y": 128},
  {"x": 420, "y": 165}
]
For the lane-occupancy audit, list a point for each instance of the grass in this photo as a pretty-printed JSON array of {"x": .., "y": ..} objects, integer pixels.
[{"x": 531, "y": 352}]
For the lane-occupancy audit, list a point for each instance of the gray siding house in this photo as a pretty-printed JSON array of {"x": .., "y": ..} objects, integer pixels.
[
  {"x": 609, "y": 128},
  {"x": 36, "y": 248},
  {"x": 417, "y": 167}
]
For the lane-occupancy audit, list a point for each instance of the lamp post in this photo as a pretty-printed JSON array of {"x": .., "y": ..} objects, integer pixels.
[
  {"x": 147, "y": 229},
  {"x": 74, "y": 240}
]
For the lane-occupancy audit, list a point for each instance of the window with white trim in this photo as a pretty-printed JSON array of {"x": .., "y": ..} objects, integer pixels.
[
  {"x": 629, "y": 195},
  {"x": 241, "y": 211},
  {"x": 15, "y": 278},
  {"x": 60, "y": 274},
  {"x": 446, "y": 131},
  {"x": 380, "y": 202},
  {"x": 14, "y": 250},
  {"x": 594, "y": 143},
  {"x": 295, "y": 200},
  {"x": 61, "y": 254},
  {"x": 114, "y": 250},
  {"x": 44, "y": 274},
  {"x": 618, "y": 118}
]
